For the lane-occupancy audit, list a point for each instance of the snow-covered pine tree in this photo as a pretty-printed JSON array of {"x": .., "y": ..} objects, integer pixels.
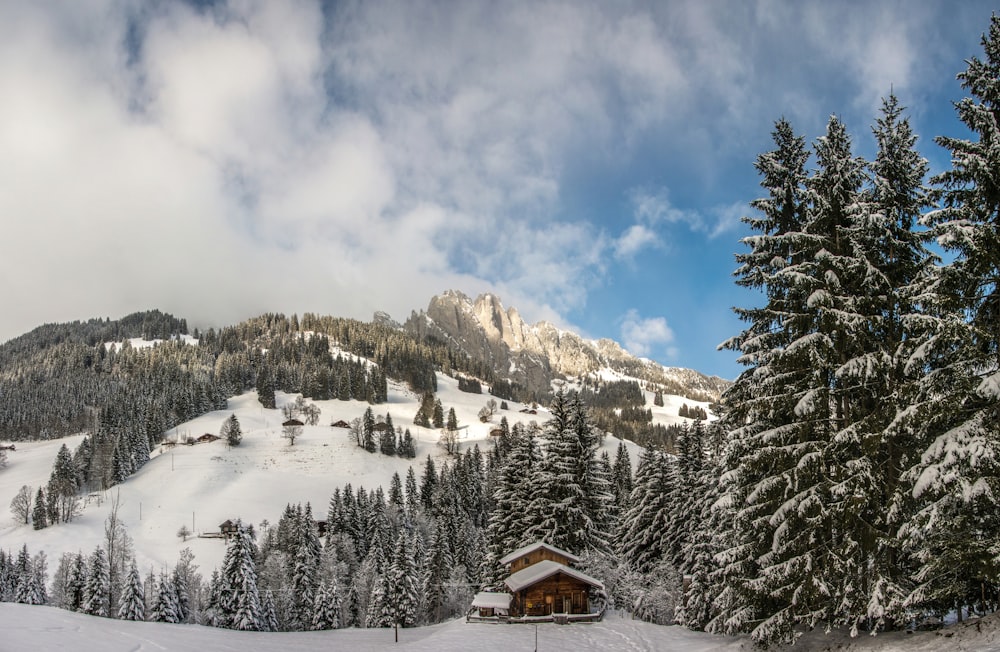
[
  {"x": 387, "y": 437},
  {"x": 760, "y": 410},
  {"x": 380, "y": 613},
  {"x": 322, "y": 611},
  {"x": 231, "y": 431},
  {"x": 132, "y": 604},
  {"x": 165, "y": 606},
  {"x": 508, "y": 526},
  {"x": 644, "y": 524},
  {"x": 956, "y": 480},
  {"x": 438, "y": 562},
  {"x": 40, "y": 512},
  {"x": 820, "y": 390},
  {"x": 240, "y": 600},
  {"x": 76, "y": 584},
  {"x": 305, "y": 576},
  {"x": 368, "y": 431},
  {"x": 621, "y": 476},
  {"x": 402, "y": 584},
  {"x": 97, "y": 598},
  {"x": 270, "y": 616},
  {"x": 567, "y": 503}
]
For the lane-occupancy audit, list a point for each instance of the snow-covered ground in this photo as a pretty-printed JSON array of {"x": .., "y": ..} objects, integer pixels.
[{"x": 45, "y": 629}]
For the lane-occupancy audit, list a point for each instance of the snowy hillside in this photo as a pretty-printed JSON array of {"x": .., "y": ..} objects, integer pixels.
[{"x": 201, "y": 486}]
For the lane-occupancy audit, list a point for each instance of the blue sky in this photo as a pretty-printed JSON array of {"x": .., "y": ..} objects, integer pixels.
[{"x": 588, "y": 162}]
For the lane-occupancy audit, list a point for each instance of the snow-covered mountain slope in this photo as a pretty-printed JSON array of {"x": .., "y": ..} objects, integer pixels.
[
  {"x": 533, "y": 354},
  {"x": 201, "y": 486}
]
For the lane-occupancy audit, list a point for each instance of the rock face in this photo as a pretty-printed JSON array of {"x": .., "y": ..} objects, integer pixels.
[{"x": 534, "y": 355}]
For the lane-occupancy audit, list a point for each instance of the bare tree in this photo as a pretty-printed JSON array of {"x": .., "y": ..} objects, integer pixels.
[
  {"x": 184, "y": 533},
  {"x": 20, "y": 505},
  {"x": 311, "y": 413},
  {"x": 119, "y": 547},
  {"x": 357, "y": 429},
  {"x": 291, "y": 433},
  {"x": 449, "y": 439}
]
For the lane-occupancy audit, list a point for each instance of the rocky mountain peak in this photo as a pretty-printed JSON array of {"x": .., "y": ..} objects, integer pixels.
[{"x": 533, "y": 355}]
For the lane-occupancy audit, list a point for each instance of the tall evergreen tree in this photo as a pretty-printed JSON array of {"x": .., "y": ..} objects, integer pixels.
[
  {"x": 240, "y": 597},
  {"x": 956, "y": 479},
  {"x": 97, "y": 599},
  {"x": 132, "y": 605}
]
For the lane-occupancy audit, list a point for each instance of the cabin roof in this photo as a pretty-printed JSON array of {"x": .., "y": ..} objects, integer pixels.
[
  {"x": 545, "y": 569},
  {"x": 490, "y": 600},
  {"x": 520, "y": 552}
]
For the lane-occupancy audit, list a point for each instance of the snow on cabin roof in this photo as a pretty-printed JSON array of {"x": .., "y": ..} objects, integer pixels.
[
  {"x": 520, "y": 552},
  {"x": 489, "y": 600},
  {"x": 543, "y": 569}
]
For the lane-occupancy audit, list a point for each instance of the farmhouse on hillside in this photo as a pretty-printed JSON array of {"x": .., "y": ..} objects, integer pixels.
[{"x": 542, "y": 585}]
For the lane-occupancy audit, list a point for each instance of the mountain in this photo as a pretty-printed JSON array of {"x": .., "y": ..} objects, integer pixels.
[{"x": 533, "y": 355}]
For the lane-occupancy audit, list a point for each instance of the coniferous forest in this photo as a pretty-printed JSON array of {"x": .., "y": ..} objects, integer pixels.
[{"x": 850, "y": 480}]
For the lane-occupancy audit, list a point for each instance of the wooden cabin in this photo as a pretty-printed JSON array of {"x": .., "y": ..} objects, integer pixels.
[
  {"x": 292, "y": 423},
  {"x": 549, "y": 588},
  {"x": 228, "y": 528},
  {"x": 207, "y": 438},
  {"x": 340, "y": 424},
  {"x": 542, "y": 585}
]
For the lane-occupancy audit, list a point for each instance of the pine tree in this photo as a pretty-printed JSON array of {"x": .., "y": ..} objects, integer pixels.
[
  {"x": 240, "y": 599},
  {"x": 231, "y": 431},
  {"x": 97, "y": 598},
  {"x": 75, "y": 592},
  {"x": 305, "y": 580},
  {"x": 570, "y": 497},
  {"x": 40, "y": 513},
  {"x": 132, "y": 605},
  {"x": 165, "y": 606},
  {"x": 437, "y": 419},
  {"x": 322, "y": 610},
  {"x": 270, "y": 617},
  {"x": 402, "y": 584},
  {"x": 956, "y": 479},
  {"x": 368, "y": 431}
]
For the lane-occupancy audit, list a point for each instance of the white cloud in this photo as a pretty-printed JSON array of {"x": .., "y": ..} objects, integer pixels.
[
  {"x": 269, "y": 156},
  {"x": 642, "y": 336},
  {"x": 634, "y": 239}
]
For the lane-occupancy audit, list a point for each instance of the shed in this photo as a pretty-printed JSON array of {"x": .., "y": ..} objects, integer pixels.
[
  {"x": 340, "y": 424},
  {"x": 207, "y": 438},
  {"x": 488, "y": 604},
  {"x": 292, "y": 422}
]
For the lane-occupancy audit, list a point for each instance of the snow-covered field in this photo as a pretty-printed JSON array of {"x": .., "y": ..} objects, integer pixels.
[{"x": 45, "y": 629}]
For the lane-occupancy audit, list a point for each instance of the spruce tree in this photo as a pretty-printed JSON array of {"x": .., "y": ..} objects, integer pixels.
[
  {"x": 240, "y": 599},
  {"x": 97, "y": 598},
  {"x": 955, "y": 481},
  {"x": 132, "y": 605},
  {"x": 40, "y": 513}
]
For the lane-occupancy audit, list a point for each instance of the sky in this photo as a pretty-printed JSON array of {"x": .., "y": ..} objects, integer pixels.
[{"x": 587, "y": 162}]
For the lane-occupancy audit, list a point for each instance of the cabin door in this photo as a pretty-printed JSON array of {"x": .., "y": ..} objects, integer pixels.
[{"x": 567, "y": 605}]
